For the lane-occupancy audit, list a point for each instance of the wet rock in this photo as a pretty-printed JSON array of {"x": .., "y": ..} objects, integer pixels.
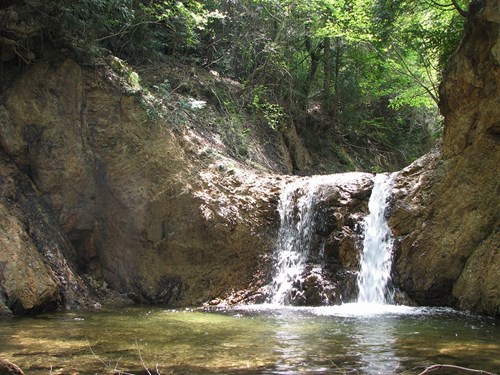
[
  {"x": 4, "y": 309},
  {"x": 317, "y": 290},
  {"x": 27, "y": 282}
]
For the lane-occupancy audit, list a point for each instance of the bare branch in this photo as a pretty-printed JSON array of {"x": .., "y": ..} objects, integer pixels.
[
  {"x": 410, "y": 73},
  {"x": 140, "y": 356},
  {"x": 107, "y": 365},
  {"x": 438, "y": 367}
]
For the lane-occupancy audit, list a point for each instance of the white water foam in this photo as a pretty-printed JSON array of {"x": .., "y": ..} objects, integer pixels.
[
  {"x": 346, "y": 310},
  {"x": 296, "y": 209},
  {"x": 376, "y": 259}
]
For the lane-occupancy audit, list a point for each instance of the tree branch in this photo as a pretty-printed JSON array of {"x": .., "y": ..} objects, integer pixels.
[
  {"x": 439, "y": 5},
  {"x": 454, "y": 4},
  {"x": 410, "y": 73},
  {"x": 438, "y": 367},
  {"x": 271, "y": 15},
  {"x": 459, "y": 9}
]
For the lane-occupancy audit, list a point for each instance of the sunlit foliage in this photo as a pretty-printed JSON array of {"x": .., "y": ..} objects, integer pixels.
[{"x": 362, "y": 73}]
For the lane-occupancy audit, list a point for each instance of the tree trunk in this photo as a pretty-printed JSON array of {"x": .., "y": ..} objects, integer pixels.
[
  {"x": 326, "y": 102},
  {"x": 315, "y": 56},
  {"x": 336, "y": 87}
]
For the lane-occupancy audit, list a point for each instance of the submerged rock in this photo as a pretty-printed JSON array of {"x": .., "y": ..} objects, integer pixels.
[{"x": 9, "y": 368}]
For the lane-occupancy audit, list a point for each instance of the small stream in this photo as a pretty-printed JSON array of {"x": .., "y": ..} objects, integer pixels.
[{"x": 254, "y": 340}]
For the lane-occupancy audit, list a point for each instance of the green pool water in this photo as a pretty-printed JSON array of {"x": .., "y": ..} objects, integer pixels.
[{"x": 349, "y": 339}]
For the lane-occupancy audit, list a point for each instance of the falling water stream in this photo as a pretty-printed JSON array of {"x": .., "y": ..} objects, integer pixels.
[
  {"x": 376, "y": 258},
  {"x": 296, "y": 209},
  {"x": 297, "y": 220},
  {"x": 265, "y": 339}
]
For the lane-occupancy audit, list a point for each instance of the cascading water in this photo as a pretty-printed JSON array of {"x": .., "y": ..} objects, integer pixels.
[
  {"x": 300, "y": 243},
  {"x": 296, "y": 209},
  {"x": 376, "y": 259}
]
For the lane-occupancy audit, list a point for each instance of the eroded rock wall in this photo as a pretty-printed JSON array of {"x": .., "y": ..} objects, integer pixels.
[
  {"x": 150, "y": 210},
  {"x": 446, "y": 213},
  {"x": 36, "y": 259}
]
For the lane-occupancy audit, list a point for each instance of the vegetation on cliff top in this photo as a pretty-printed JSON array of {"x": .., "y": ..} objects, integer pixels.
[{"x": 357, "y": 79}]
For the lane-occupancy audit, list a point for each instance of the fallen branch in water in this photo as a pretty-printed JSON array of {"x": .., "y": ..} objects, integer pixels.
[
  {"x": 116, "y": 370},
  {"x": 439, "y": 367},
  {"x": 140, "y": 356}
]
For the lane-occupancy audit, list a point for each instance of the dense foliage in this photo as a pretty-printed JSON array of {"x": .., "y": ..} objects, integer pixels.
[{"x": 356, "y": 77}]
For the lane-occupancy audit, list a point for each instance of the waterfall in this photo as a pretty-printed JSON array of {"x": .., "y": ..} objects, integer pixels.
[
  {"x": 297, "y": 210},
  {"x": 301, "y": 242},
  {"x": 376, "y": 259}
]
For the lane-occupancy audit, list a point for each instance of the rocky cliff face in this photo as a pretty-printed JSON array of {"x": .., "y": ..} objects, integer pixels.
[
  {"x": 148, "y": 210},
  {"x": 93, "y": 184},
  {"x": 154, "y": 211},
  {"x": 447, "y": 204}
]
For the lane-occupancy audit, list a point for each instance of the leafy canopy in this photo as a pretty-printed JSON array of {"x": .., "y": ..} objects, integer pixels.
[{"x": 363, "y": 73}]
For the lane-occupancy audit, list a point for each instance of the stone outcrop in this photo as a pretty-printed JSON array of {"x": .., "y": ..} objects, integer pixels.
[
  {"x": 36, "y": 258},
  {"x": 152, "y": 211},
  {"x": 446, "y": 204}
]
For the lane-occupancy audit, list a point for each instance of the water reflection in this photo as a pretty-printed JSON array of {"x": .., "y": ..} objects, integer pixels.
[
  {"x": 289, "y": 349},
  {"x": 264, "y": 340},
  {"x": 330, "y": 340},
  {"x": 302, "y": 343},
  {"x": 375, "y": 343}
]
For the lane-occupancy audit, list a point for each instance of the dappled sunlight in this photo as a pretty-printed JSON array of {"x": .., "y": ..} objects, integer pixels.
[{"x": 258, "y": 339}]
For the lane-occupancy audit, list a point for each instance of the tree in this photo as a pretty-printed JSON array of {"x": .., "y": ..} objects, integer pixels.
[{"x": 362, "y": 73}]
